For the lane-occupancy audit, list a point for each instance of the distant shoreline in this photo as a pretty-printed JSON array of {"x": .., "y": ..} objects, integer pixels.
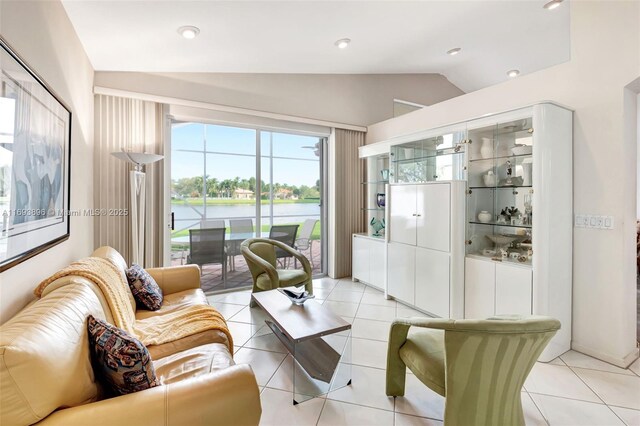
[{"x": 232, "y": 201}]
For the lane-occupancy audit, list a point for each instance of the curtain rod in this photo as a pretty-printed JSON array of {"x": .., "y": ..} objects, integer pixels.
[{"x": 98, "y": 90}]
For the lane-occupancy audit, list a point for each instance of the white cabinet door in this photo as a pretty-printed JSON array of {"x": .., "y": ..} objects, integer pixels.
[
  {"x": 401, "y": 263},
  {"x": 402, "y": 214},
  {"x": 513, "y": 290},
  {"x": 360, "y": 259},
  {"x": 432, "y": 282},
  {"x": 433, "y": 216},
  {"x": 479, "y": 288},
  {"x": 377, "y": 262}
]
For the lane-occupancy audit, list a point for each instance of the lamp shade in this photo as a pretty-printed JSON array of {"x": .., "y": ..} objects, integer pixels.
[{"x": 138, "y": 158}]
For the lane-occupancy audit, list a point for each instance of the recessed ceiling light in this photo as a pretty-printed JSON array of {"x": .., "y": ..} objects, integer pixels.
[
  {"x": 552, "y": 4},
  {"x": 343, "y": 43},
  {"x": 513, "y": 73},
  {"x": 189, "y": 31},
  {"x": 454, "y": 51}
]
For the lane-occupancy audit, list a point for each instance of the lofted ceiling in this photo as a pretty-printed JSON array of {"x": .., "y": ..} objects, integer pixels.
[{"x": 299, "y": 36}]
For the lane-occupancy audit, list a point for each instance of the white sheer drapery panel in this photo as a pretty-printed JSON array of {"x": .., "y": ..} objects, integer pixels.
[{"x": 138, "y": 126}]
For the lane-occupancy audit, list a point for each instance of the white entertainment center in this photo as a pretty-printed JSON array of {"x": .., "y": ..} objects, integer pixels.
[{"x": 478, "y": 218}]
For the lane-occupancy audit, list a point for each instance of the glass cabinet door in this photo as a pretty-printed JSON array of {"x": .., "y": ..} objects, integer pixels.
[
  {"x": 500, "y": 188},
  {"x": 431, "y": 159}
]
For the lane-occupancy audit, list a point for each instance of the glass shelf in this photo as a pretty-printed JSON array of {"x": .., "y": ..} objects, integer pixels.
[
  {"x": 373, "y": 209},
  {"x": 507, "y": 225},
  {"x": 426, "y": 157},
  {"x": 500, "y": 187},
  {"x": 378, "y": 182},
  {"x": 502, "y": 157}
]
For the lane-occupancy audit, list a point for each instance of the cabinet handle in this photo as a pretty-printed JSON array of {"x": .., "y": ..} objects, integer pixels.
[
  {"x": 469, "y": 140},
  {"x": 418, "y": 215},
  {"x": 468, "y": 242},
  {"x": 530, "y": 130},
  {"x": 414, "y": 215}
]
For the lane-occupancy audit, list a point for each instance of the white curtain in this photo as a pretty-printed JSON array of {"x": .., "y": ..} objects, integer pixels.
[
  {"x": 132, "y": 125},
  {"x": 346, "y": 215}
]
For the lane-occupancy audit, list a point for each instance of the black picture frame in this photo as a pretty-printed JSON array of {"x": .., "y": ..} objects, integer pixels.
[{"x": 35, "y": 162}]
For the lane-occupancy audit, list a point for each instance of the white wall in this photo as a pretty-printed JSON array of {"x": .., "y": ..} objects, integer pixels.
[
  {"x": 343, "y": 98},
  {"x": 605, "y": 50},
  {"x": 42, "y": 35}
]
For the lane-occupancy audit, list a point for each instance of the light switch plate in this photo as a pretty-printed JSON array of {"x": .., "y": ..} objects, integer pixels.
[{"x": 593, "y": 221}]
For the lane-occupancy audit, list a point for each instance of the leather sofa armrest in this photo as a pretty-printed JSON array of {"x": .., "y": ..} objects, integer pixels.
[
  {"x": 227, "y": 397},
  {"x": 173, "y": 279}
]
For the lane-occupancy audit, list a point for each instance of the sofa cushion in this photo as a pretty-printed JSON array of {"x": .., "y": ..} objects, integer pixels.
[
  {"x": 144, "y": 288},
  {"x": 44, "y": 356},
  {"x": 193, "y": 341},
  {"x": 174, "y": 302},
  {"x": 120, "y": 359},
  {"x": 193, "y": 362}
]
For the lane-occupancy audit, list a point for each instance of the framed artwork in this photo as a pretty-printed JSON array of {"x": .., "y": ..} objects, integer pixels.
[{"x": 35, "y": 168}]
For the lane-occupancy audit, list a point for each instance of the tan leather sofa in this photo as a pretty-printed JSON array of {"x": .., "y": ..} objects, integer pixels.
[{"x": 46, "y": 374}]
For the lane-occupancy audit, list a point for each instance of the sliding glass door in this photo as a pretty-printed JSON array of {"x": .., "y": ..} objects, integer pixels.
[{"x": 224, "y": 176}]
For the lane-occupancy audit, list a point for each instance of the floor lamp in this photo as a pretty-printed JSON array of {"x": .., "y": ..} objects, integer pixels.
[{"x": 137, "y": 210}]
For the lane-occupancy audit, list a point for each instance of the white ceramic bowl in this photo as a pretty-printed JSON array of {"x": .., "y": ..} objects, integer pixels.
[{"x": 521, "y": 150}]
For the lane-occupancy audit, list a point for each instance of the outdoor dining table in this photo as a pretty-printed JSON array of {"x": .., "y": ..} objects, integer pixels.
[
  {"x": 237, "y": 236},
  {"x": 233, "y": 237}
]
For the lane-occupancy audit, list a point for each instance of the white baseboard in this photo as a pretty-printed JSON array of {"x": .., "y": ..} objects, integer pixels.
[{"x": 623, "y": 362}]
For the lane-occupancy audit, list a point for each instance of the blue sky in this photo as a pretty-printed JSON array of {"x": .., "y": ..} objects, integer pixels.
[{"x": 223, "y": 139}]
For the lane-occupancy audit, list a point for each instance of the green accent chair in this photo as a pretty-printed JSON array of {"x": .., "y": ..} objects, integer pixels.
[
  {"x": 260, "y": 254},
  {"x": 479, "y": 366}
]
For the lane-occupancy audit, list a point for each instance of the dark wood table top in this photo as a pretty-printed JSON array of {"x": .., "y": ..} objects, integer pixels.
[{"x": 299, "y": 322}]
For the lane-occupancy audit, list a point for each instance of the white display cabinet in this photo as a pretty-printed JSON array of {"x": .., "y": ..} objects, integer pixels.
[
  {"x": 369, "y": 257},
  {"x": 519, "y": 217}
]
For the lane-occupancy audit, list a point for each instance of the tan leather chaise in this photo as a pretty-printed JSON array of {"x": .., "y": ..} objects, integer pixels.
[{"x": 46, "y": 374}]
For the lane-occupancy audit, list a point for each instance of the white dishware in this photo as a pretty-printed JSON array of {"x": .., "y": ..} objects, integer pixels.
[
  {"x": 484, "y": 216},
  {"x": 489, "y": 179},
  {"x": 486, "y": 149},
  {"x": 522, "y": 149}
]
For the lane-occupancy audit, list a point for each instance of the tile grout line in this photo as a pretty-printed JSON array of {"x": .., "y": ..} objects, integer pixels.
[{"x": 538, "y": 408}]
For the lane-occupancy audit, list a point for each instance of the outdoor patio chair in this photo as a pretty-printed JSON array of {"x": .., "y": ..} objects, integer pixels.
[
  {"x": 287, "y": 235},
  {"x": 207, "y": 246},
  {"x": 238, "y": 226},
  {"x": 304, "y": 242},
  {"x": 211, "y": 223}
]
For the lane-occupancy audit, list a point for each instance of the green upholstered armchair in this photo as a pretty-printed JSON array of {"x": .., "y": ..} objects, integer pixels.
[
  {"x": 479, "y": 366},
  {"x": 260, "y": 254}
]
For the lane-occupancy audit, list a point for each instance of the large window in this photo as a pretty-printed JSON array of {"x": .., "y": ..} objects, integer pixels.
[{"x": 215, "y": 176}]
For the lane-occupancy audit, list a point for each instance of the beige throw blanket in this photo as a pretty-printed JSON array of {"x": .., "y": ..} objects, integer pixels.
[{"x": 154, "y": 331}]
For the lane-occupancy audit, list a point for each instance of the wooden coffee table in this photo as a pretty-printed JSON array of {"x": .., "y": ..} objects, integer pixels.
[{"x": 318, "y": 340}]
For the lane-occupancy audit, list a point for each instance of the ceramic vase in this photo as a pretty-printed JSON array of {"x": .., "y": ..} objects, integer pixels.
[
  {"x": 526, "y": 174},
  {"x": 489, "y": 179},
  {"x": 484, "y": 216},
  {"x": 486, "y": 149}
]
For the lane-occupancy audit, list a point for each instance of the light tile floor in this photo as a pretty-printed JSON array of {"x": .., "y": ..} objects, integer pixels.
[{"x": 573, "y": 389}]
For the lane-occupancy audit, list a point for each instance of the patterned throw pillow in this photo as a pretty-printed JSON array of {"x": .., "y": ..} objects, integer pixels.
[
  {"x": 120, "y": 360},
  {"x": 144, "y": 288}
]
